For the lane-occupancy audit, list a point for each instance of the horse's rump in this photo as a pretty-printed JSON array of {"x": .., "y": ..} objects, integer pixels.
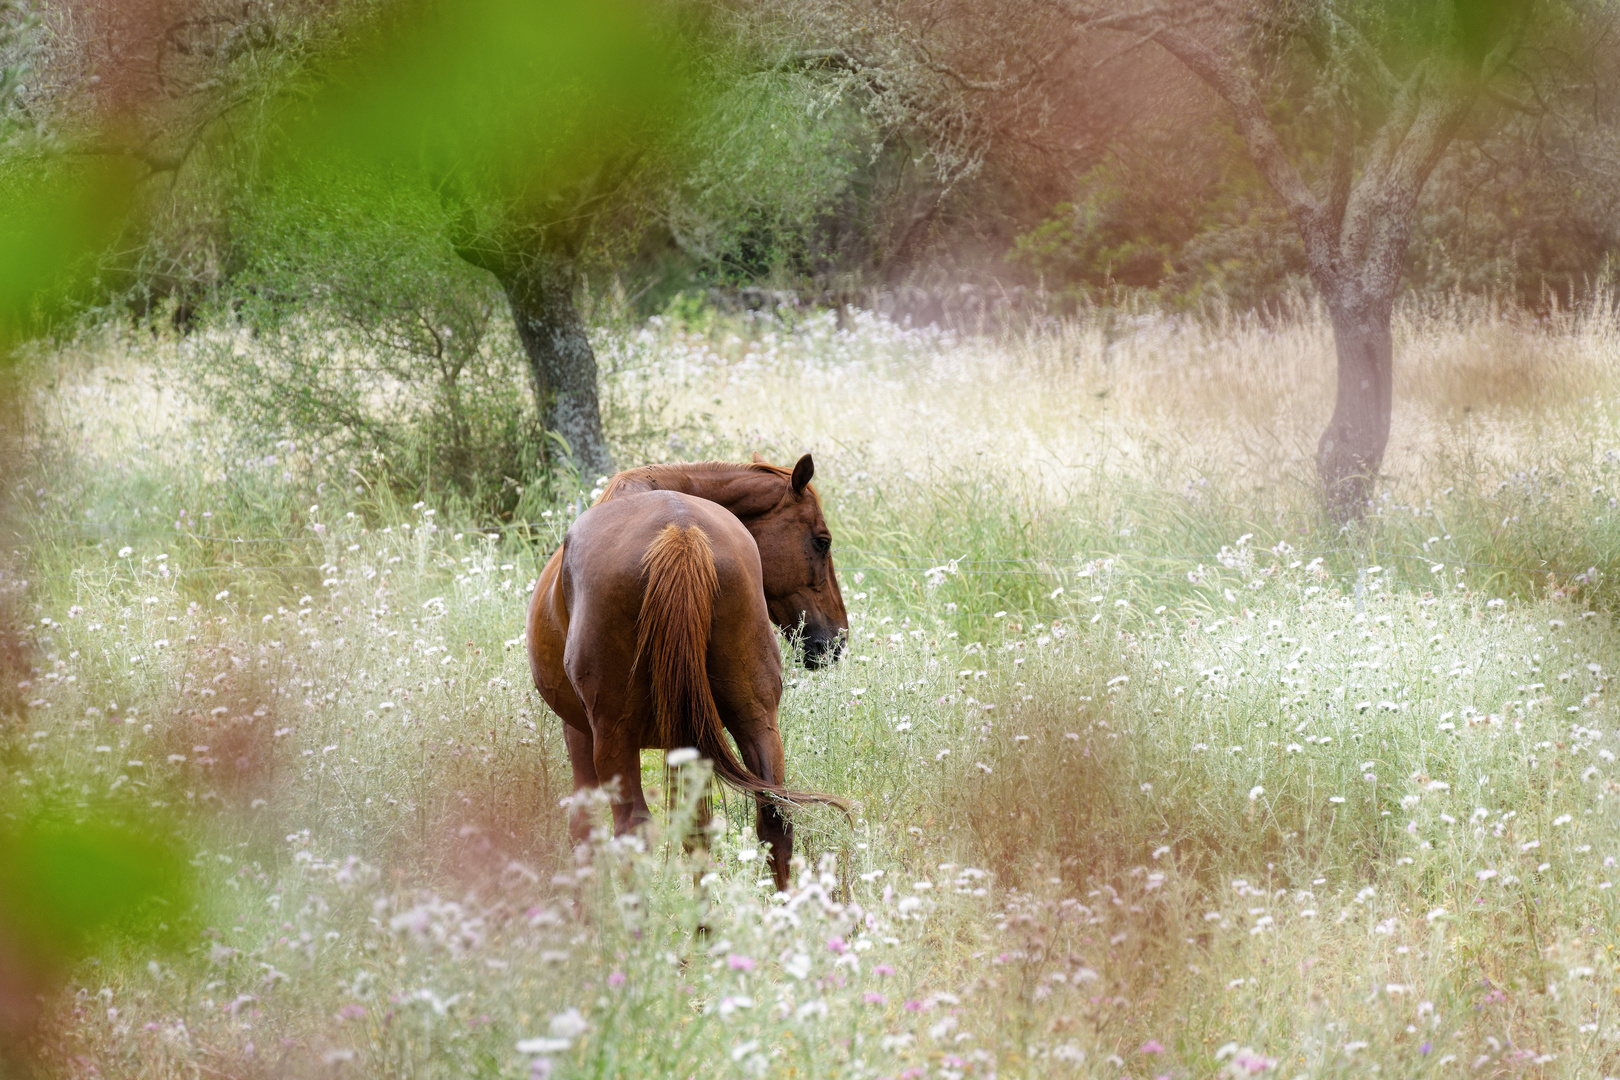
[{"x": 672, "y": 643}]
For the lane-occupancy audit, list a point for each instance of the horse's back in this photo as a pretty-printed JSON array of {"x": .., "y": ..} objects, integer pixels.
[{"x": 606, "y": 547}]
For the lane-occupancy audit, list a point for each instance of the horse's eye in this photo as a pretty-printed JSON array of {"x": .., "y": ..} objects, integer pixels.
[{"x": 823, "y": 544}]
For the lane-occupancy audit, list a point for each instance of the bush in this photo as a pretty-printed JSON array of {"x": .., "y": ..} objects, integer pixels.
[{"x": 353, "y": 324}]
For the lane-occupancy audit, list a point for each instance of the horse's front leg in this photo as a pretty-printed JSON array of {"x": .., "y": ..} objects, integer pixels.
[{"x": 762, "y": 752}]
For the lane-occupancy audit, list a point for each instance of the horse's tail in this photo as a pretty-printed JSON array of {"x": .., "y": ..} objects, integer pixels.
[{"x": 672, "y": 644}]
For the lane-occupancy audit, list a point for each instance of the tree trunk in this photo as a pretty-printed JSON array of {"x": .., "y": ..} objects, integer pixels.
[
  {"x": 552, "y": 331},
  {"x": 1352, "y": 447}
]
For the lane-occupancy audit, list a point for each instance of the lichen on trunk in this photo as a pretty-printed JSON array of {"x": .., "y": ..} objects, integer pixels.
[
  {"x": 1352, "y": 448},
  {"x": 563, "y": 365}
]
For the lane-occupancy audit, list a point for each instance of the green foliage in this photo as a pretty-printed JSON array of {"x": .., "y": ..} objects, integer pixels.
[
  {"x": 65, "y": 883},
  {"x": 772, "y": 154},
  {"x": 351, "y": 323}
]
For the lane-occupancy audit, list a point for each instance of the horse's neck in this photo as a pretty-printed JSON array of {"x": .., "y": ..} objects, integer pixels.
[{"x": 746, "y": 492}]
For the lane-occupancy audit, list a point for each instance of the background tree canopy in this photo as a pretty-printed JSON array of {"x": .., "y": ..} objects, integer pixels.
[{"x": 443, "y": 185}]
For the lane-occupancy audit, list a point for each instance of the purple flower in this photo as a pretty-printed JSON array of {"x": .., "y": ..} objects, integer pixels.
[
  {"x": 1152, "y": 1046},
  {"x": 883, "y": 969},
  {"x": 836, "y": 945},
  {"x": 914, "y": 1006},
  {"x": 1426, "y": 1047},
  {"x": 616, "y": 979},
  {"x": 541, "y": 1069},
  {"x": 351, "y": 1012},
  {"x": 873, "y": 998},
  {"x": 739, "y": 962}
]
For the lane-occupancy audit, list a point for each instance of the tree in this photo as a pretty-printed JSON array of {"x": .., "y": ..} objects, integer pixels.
[
  {"x": 1394, "y": 85},
  {"x": 539, "y": 126},
  {"x": 1345, "y": 108}
]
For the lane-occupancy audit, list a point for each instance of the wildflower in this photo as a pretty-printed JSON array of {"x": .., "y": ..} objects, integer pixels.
[
  {"x": 615, "y": 979},
  {"x": 1247, "y": 1061},
  {"x": 351, "y": 1012},
  {"x": 883, "y": 969},
  {"x": 732, "y": 1002},
  {"x": 568, "y": 1024},
  {"x": 1255, "y": 792},
  {"x": 837, "y": 945},
  {"x": 872, "y": 997},
  {"x": 541, "y": 1069},
  {"x": 1152, "y": 1046},
  {"x": 682, "y": 756},
  {"x": 542, "y": 1046},
  {"x": 914, "y": 1006},
  {"x": 739, "y": 962}
]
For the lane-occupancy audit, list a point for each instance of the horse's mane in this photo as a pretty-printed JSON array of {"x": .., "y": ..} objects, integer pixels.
[{"x": 635, "y": 479}]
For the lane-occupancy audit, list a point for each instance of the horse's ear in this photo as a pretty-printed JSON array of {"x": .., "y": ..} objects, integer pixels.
[
  {"x": 803, "y": 473},
  {"x": 759, "y": 458}
]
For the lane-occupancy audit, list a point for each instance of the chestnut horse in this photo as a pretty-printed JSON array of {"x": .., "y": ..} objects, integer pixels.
[{"x": 650, "y": 627}]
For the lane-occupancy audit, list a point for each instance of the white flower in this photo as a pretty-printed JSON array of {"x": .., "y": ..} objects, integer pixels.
[
  {"x": 1255, "y": 792},
  {"x": 682, "y": 756},
  {"x": 125, "y": 552},
  {"x": 569, "y": 1024},
  {"x": 542, "y": 1046}
]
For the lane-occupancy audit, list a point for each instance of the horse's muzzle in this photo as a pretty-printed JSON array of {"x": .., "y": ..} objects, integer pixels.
[{"x": 820, "y": 652}]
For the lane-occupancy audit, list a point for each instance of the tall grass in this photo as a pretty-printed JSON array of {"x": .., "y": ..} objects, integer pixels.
[{"x": 1155, "y": 772}]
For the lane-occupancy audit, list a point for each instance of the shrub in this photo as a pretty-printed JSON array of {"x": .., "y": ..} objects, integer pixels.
[{"x": 353, "y": 324}]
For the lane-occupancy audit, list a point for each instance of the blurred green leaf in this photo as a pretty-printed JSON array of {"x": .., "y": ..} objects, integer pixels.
[
  {"x": 65, "y": 883},
  {"x": 54, "y": 217}
]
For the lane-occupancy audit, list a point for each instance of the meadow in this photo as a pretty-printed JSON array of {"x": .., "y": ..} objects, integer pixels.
[{"x": 1156, "y": 772}]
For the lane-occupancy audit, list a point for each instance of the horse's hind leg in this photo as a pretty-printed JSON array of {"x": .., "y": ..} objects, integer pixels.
[
  {"x": 618, "y": 758},
  {"x": 581, "y": 757}
]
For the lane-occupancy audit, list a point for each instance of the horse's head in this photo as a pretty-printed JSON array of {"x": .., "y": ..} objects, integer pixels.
[{"x": 795, "y": 552}]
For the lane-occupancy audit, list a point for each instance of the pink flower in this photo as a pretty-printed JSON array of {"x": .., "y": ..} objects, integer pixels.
[
  {"x": 616, "y": 979},
  {"x": 351, "y": 1012},
  {"x": 1251, "y": 1062},
  {"x": 873, "y": 998},
  {"x": 739, "y": 962},
  {"x": 953, "y": 1062},
  {"x": 1152, "y": 1046},
  {"x": 914, "y": 1006},
  {"x": 836, "y": 944},
  {"x": 883, "y": 969}
]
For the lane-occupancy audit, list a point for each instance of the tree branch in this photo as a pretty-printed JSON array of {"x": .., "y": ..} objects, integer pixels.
[{"x": 1253, "y": 124}]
